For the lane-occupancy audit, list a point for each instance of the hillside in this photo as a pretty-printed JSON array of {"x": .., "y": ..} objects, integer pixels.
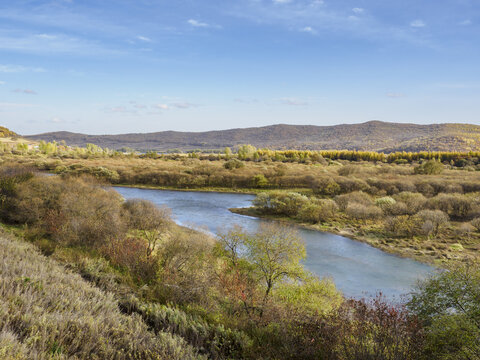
[
  {"x": 372, "y": 135},
  {"x": 50, "y": 312}
]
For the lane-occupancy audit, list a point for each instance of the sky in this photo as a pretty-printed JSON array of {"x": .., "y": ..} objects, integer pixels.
[{"x": 110, "y": 67}]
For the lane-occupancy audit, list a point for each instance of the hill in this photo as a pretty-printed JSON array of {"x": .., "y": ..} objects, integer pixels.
[
  {"x": 4, "y": 132},
  {"x": 372, "y": 135},
  {"x": 50, "y": 312}
]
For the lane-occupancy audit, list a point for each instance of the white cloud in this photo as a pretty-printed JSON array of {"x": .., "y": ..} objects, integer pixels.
[
  {"x": 25, "y": 91},
  {"x": 293, "y": 102},
  {"x": 183, "y": 105},
  {"x": 357, "y": 10},
  {"x": 465, "y": 22},
  {"x": 46, "y": 36},
  {"x": 417, "y": 23},
  {"x": 25, "y": 42},
  {"x": 19, "y": 69},
  {"x": 56, "y": 120},
  {"x": 162, "y": 106},
  {"x": 144, "y": 38},
  {"x": 281, "y": 1},
  {"x": 308, "y": 29},
  {"x": 196, "y": 23}
]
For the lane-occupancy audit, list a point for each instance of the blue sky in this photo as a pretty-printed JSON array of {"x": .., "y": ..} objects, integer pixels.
[{"x": 150, "y": 65}]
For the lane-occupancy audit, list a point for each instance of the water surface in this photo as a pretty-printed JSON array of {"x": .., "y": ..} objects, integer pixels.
[{"x": 358, "y": 269}]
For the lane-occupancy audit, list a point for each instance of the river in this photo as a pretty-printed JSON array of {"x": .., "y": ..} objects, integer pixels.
[{"x": 358, "y": 269}]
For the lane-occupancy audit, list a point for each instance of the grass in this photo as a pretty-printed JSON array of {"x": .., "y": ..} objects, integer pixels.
[{"x": 47, "y": 311}]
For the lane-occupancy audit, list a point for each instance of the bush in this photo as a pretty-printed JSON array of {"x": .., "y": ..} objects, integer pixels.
[
  {"x": 233, "y": 164},
  {"x": 432, "y": 221},
  {"x": 326, "y": 186},
  {"x": 362, "y": 212},
  {"x": 385, "y": 202},
  {"x": 216, "y": 341},
  {"x": 357, "y": 197},
  {"x": 476, "y": 223},
  {"x": 402, "y": 225},
  {"x": 319, "y": 210},
  {"x": 455, "y": 205},
  {"x": 413, "y": 201},
  {"x": 449, "y": 306},
  {"x": 260, "y": 181},
  {"x": 430, "y": 167}
]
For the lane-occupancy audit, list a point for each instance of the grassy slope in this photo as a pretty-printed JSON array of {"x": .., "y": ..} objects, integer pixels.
[{"x": 47, "y": 311}]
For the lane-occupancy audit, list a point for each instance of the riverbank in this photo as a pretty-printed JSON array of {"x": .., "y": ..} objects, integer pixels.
[
  {"x": 225, "y": 190},
  {"x": 373, "y": 235}
]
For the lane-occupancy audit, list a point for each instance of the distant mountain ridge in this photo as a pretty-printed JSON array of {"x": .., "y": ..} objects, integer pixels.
[{"x": 372, "y": 136}]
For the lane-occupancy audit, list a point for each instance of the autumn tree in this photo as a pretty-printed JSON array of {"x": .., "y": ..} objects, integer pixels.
[{"x": 149, "y": 220}]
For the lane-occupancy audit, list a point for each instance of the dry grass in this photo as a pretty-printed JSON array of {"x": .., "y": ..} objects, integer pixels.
[{"x": 48, "y": 312}]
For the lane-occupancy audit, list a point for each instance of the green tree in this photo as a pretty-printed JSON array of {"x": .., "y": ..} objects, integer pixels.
[
  {"x": 275, "y": 252},
  {"x": 449, "y": 305},
  {"x": 271, "y": 256},
  {"x": 150, "y": 221}
]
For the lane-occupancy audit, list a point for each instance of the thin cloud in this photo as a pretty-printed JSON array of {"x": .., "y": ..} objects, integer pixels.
[
  {"x": 25, "y": 91},
  {"x": 2, "y": 82},
  {"x": 465, "y": 22},
  {"x": 417, "y": 24},
  {"x": 162, "y": 106},
  {"x": 294, "y": 16},
  {"x": 357, "y": 10},
  {"x": 19, "y": 69},
  {"x": 46, "y": 36},
  {"x": 144, "y": 38},
  {"x": 281, "y": 1},
  {"x": 63, "y": 44},
  {"x": 308, "y": 29},
  {"x": 183, "y": 105},
  {"x": 196, "y": 23},
  {"x": 293, "y": 102}
]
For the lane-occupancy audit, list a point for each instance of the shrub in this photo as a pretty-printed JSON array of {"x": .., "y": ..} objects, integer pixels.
[
  {"x": 318, "y": 210},
  {"x": 414, "y": 201},
  {"x": 233, "y": 164},
  {"x": 432, "y": 221},
  {"x": 216, "y": 341},
  {"x": 385, "y": 202},
  {"x": 430, "y": 167},
  {"x": 260, "y": 181},
  {"x": 455, "y": 205},
  {"x": 149, "y": 220},
  {"x": 185, "y": 267},
  {"x": 326, "y": 186},
  {"x": 357, "y": 197},
  {"x": 476, "y": 223},
  {"x": 362, "y": 212},
  {"x": 402, "y": 225},
  {"x": 132, "y": 253},
  {"x": 449, "y": 306}
]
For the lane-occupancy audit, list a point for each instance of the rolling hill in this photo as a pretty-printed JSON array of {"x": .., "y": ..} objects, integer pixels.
[{"x": 372, "y": 135}]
